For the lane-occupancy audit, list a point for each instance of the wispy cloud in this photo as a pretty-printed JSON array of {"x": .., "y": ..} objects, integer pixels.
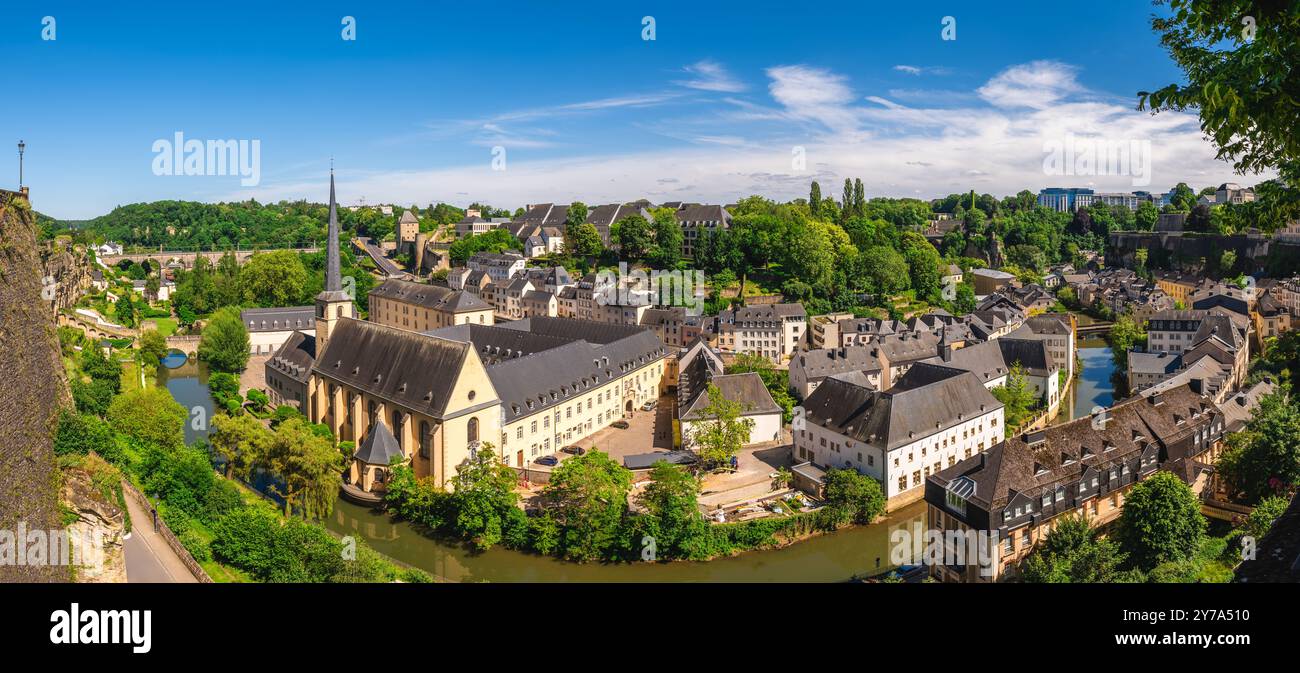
[
  {"x": 1037, "y": 84},
  {"x": 710, "y": 76},
  {"x": 990, "y": 138},
  {"x": 921, "y": 70}
]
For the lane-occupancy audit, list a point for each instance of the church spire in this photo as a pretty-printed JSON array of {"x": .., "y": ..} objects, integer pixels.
[{"x": 333, "y": 279}]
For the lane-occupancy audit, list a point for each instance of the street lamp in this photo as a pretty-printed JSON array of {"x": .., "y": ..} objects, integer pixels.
[{"x": 21, "y": 146}]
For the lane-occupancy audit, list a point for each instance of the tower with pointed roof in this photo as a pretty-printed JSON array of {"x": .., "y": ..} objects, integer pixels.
[{"x": 333, "y": 303}]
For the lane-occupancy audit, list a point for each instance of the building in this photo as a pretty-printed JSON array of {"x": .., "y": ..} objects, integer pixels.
[
  {"x": 1148, "y": 369},
  {"x": 1066, "y": 200},
  {"x": 419, "y": 307},
  {"x": 1270, "y": 318},
  {"x": 269, "y": 328},
  {"x": 698, "y": 221},
  {"x": 674, "y": 326},
  {"x": 408, "y": 226},
  {"x": 1179, "y": 286},
  {"x": 1009, "y": 497},
  {"x": 991, "y": 363},
  {"x": 808, "y": 369},
  {"x": 1056, "y": 330},
  {"x": 988, "y": 281},
  {"x": 756, "y": 403},
  {"x": 772, "y": 331},
  {"x": 824, "y": 330},
  {"x": 1214, "y": 333},
  {"x": 931, "y": 418},
  {"x": 499, "y": 266},
  {"x": 952, "y": 275}
]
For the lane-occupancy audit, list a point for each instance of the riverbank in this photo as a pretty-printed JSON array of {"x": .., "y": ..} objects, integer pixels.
[{"x": 827, "y": 557}]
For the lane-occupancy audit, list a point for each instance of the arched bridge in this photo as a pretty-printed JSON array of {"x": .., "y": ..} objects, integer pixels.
[{"x": 186, "y": 258}]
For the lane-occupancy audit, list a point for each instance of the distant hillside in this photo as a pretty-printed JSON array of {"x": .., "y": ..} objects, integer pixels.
[{"x": 188, "y": 224}]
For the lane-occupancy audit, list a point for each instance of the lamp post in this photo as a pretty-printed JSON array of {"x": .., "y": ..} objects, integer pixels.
[{"x": 21, "y": 146}]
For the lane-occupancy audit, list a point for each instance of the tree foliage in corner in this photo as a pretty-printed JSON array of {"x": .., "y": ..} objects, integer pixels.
[{"x": 1240, "y": 59}]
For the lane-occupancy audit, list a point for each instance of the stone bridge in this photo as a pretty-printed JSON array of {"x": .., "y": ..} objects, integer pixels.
[
  {"x": 95, "y": 330},
  {"x": 187, "y": 344},
  {"x": 186, "y": 257}
]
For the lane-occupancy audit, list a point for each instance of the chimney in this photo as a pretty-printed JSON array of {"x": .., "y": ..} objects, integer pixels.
[
  {"x": 1155, "y": 399},
  {"x": 945, "y": 351}
]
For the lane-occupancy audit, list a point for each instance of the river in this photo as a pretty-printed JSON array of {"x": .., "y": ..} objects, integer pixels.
[
  {"x": 1095, "y": 385},
  {"x": 187, "y": 381},
  {"x": 834, "y": 557}
]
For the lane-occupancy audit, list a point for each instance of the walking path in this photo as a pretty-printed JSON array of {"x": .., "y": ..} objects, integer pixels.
[{"x": 148, "y": 558}]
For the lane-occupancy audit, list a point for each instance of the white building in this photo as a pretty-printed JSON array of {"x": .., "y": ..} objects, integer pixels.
[{"x": 933, "y": 417}]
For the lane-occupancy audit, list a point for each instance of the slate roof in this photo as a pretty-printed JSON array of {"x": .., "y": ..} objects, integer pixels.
[
  {"x": 1060, "y": 454},
  {"x": 1153, "y": 363},
  {"x": 929, "y": 398},
  {"x": 414, "y": 370},
  {"x": 1240, "y": 408},
  {"x": 747, "y": 389},
  {"x": 822, "y": 362},
  {"x": 278, "y": 319},
  {"x": 992, "y": 360},
  {"x": 547, "y": 361},
  {"x": 380, "y": 446},
  {"x": 295, "y": 356},
  {"x": 433, "y": 297}
]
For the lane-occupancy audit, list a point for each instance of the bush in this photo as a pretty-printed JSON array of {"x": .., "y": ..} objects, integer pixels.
[
  {"x": 255, "y": 539},
  {"x": 197, "y": 546}
]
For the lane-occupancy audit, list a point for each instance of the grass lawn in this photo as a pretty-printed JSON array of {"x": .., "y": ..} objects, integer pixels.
[{"x": 166, "y": 326}]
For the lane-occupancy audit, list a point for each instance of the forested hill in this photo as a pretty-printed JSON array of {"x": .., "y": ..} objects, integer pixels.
[{"x": 188, "y": 224}]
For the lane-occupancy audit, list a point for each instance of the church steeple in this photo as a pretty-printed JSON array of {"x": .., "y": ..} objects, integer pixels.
[
  {"x": 333, "y": 280},
  {"x": 333, "y": 302}
]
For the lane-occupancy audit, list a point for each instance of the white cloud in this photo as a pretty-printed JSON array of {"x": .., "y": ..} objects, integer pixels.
[
  {"x": 921, "y": 70},
  {"x": 1036, "y": 84},
  {"x": 710, "y": 76},
  {"x": 992, "y": 142}
]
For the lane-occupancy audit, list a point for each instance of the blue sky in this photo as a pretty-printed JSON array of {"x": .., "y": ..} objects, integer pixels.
[{"x": 711, "y": 110}]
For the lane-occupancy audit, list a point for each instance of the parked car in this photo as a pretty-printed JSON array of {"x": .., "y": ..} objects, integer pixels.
[
  {"x": 575, "y": 450},
  {"x": 649, "y": 406},
  {"x": 548, "y": 460},
  {"x": 621, "y": 425}
]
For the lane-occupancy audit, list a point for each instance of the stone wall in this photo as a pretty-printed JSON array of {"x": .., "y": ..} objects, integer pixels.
[{"x": 35, "y": 388}]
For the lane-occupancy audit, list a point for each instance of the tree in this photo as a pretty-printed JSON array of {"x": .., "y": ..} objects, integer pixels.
[
  {"x": 852, "y": 496},
  {"x": 1016, "y": 396},
  {"x": 1161, "y": 521},
  {"x": 1265, "y": 513},
  {"x": 814, "y": 198},
  {"x": 671, "y": 499},
  {"x": 310, "y": 467},
  {"x": 1146, "y": 217},
  {"x": 153, "y": 346},
  {"x": 149, "y": 415},
  {"x": 1125, "y": 334},
  {"x": 128, "y": 313},
  {"x": 965, "y": 302},
  {"x": 1074, "y": 552},
  {"x": 885, "y": 269},
  {"x": 79, "y": 434},
  {"x": 859, "y": 197},
  {"x": 1199, "y": 219},
  {"x": 587, "y": 496},
  {"x": 583, "y": 241},
  {"x": 634, "y": 236},
  {"x": 484, "y": 498},
  {"x": 224, "y": 344},
  {"x": 151, "y": 285},
  {"x": 922, "y": 263},
  {"x": 1265, "y": 459},
  {"x": 668, "y": 236},
  {"x": 575, "y": 216},
  {"x": 846, "y": 201},
  {"x": 241, "y": 441},
  {"x": 721, "y": 430},
  {"x": 273, "y": 279},
  {"x": 1242, "y": 84}
]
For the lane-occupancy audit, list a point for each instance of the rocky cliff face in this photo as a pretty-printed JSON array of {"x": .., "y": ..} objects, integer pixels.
[
  {"x": 65, "y": 274},
  {"x": 91, "y": 497},
  {"x": 35, "y": 390}
]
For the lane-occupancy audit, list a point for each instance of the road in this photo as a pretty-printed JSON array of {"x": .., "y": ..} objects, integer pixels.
[{"x": 148, "y": 558}]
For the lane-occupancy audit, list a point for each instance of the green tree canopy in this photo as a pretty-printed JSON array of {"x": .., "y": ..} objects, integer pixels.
[{"x": 224, "y": 344}]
